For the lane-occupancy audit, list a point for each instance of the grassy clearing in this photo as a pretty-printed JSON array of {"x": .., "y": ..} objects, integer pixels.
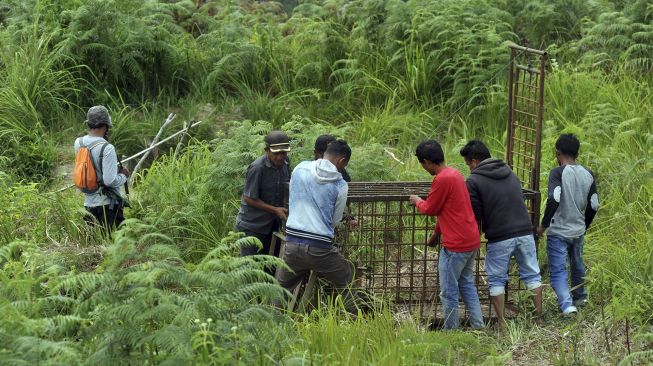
[{"x": 382, "y": 74}]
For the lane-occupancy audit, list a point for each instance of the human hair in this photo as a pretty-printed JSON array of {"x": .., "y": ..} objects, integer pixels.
[
  {"x": 430, "y": 150},
  {"x": 322, "y": 142},
  {"x": 338, "y": 148},
  {"x": 475, "y": 150},
  {"x": 568, "y": 145}
]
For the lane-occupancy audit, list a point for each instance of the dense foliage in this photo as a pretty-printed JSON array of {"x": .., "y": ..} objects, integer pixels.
[{"x": 384, "y": 74}]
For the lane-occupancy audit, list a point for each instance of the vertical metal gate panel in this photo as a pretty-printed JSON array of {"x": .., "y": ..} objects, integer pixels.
[
  {"x": 525, "y": 111},
  {"x": 525, "y": 114}
]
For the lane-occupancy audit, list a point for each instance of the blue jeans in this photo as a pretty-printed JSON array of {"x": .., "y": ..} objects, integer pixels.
[
  {"x": 498, "y": 258},
  {"x": 457, "y": 279},
  {"x": 557, "y": 251}
]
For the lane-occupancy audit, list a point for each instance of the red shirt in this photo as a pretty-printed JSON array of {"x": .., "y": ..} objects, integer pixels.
[{"x": 449, "y": 201}]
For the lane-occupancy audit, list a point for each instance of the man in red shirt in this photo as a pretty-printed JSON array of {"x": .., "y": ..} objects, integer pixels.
[{"x": 449, "y": 201}]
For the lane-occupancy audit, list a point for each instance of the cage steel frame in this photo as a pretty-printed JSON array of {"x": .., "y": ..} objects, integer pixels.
[
  {"x": 388, "y": 247},
  {"x": 525, "y": 113}
]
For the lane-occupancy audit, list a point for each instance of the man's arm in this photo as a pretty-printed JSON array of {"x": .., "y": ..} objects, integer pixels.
[
  {"x": 251, "y": 193},
  {"x": 434, "y": 239},
  {"x": 433, "y": 204},
  {"x": 341, "y": 203},
  {"x": 592, "y": 205},
  {"x": 280, "y": 212},
  {"x": 110, "y": 175},
  {"x": 553, "y": 198},
  {"x": 475, "y": 198}
]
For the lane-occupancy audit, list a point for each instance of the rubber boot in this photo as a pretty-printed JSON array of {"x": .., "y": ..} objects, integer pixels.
[
  {"x": 498, "y": 304},
  {"x": 537, "y": 301}
]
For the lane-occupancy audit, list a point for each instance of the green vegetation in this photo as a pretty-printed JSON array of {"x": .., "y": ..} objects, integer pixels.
[{"x": 169, "y": 287}]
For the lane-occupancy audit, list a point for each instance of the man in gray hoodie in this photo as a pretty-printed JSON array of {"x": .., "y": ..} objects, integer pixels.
[
  {"x": 498, "y": 204},
  {"x": 318, "y": 195}
]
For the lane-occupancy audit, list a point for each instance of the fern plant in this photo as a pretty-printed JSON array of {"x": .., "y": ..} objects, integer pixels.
[
  {"x": 616, "y": 38},
  {"x": 125, "y": 44},
  {"x": 143, "y": 305}
]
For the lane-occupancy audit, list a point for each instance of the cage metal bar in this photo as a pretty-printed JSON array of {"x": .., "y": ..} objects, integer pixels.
[
  {"x": 390, "y": 244},
  {"x": 511, "y": 109},
  {"x": 525, "y": 113}
]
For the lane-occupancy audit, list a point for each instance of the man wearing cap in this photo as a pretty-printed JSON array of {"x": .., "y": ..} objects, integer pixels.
[
  {"x": 106, "y": 205},
  {"x": 262, "y": 204}
]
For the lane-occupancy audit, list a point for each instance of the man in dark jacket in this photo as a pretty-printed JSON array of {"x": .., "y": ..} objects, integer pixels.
[{"x": 498, "y": 204}]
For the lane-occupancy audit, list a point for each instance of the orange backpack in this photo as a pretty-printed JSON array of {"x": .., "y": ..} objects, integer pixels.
[{"x": 85, "y": 172}]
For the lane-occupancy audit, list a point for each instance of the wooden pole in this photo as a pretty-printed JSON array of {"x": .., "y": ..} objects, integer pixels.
[
  {"x": 168, "y": 120},
  {"x": 143, "y": 151}
]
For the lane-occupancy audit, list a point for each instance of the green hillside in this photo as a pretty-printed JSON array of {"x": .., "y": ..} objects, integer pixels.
[{"x": 169, "y": 287}]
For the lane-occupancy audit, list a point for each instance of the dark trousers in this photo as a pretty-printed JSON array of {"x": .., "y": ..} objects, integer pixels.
[
  {"x": 105, "y": 217},
  {"x": 329, "y": 263},
  {"x": 266, "y": 240}
]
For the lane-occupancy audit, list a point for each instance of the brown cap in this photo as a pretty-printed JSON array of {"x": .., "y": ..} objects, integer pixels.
[{"x": 277, "y": 141}]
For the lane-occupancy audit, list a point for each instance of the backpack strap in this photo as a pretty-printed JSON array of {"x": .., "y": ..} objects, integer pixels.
[
  {"x": 101, "y": 175},
  {"x": 97, "y": 167}
]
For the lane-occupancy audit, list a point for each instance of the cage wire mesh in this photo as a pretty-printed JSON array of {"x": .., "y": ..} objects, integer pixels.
[{"x": 388, "y": 248}]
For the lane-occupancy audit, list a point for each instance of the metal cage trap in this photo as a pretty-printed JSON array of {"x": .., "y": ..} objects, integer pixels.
[{"x": 388, "y": 247}]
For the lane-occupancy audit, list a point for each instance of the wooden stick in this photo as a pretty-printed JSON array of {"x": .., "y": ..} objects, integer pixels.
[
  {"x": 168, "y": 120},
  {"x": 577, "y": 286},
  {"x": 627, "y": 336},
  {"x": 141, "y": 152},
  {"x": 181, "y": 139},
  {"x": 160, "y": 142}
]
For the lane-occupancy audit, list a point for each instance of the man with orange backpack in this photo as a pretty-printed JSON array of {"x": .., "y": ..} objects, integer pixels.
[{"x": 96, "y": 172}]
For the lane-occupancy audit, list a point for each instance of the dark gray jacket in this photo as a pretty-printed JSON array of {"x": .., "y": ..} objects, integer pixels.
[
  {"x": 498, "y": 201},
  {"x": 266, "y": 182}
]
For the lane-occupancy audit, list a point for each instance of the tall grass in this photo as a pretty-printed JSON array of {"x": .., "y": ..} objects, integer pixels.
[
  {"x": 325, "y": 337},
  {"x": 383, "y": 74},
  {"x": 35, "y": 94}
]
